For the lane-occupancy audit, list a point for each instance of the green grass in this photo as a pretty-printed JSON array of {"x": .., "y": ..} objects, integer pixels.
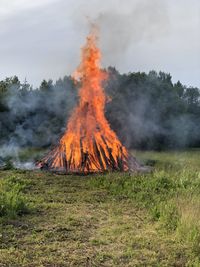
[
  {"x": 12, "y": 200},
  {"x": 116, "y": 219}
]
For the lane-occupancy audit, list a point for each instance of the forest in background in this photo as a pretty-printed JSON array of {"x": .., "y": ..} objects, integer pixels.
[{"x": 147, "y": 111}]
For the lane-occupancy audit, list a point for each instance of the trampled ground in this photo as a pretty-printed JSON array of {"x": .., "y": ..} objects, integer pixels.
[{"x": 106, "y": 220}]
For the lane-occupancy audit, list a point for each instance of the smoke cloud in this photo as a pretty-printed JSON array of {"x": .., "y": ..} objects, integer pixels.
[
  {"x": 34, "y": 118},
  {"x": 45, "y": 37}
]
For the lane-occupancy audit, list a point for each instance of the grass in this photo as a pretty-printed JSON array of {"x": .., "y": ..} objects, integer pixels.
[
  {"x": 114, "y": 219},
  {"x": 12, "y": 200}
]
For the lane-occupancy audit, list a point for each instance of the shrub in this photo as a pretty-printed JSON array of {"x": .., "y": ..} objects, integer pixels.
[
  {"x": 169, "y": 215},
  {"x": 8, "y": 165},
  {"x": 12, "y": 200}
]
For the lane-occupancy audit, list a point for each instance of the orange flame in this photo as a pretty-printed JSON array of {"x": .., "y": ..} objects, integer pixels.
[{"x": 89, "y": 144}]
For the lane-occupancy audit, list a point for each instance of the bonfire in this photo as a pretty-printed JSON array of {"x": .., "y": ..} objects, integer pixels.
[{"x": 89, "y": 144}]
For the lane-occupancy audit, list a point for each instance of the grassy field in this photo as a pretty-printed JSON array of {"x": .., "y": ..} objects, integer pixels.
[{"x": 114, "y": 219}]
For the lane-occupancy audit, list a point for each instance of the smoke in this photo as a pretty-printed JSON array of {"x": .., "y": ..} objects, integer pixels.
[
  {"x": 147, "y": 113},
  {"x": 54, "y": 33},
  {"x": 122, "y": 29},
  {"x": 8, "y": 150},
  {"x": 34, "y": 118},
  {"x": 11, "y": 151}
]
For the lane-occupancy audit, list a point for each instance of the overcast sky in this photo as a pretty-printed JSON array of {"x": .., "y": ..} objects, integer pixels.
[{"x": 42, "y": 38}]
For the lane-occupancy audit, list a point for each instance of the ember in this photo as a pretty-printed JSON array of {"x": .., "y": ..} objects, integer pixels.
[{"x": 89, "y": 144}]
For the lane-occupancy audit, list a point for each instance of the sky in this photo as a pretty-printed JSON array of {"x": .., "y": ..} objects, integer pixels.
[{"x": 41, "y": 39}]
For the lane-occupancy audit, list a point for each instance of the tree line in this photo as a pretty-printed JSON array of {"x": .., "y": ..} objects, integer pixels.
[{"x": 147, "y": 111}]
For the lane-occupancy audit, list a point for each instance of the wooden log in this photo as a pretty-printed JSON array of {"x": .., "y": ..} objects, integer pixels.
[
  {"x": 65, "y": 165},
  {"x": 98, "y": 155},
  {"x": 111, "y": 158},
  {"x": 120, "y": 163},
  {"x": 70, "y": 159},
  {"x": 96, "y": 163},
  {"x": 106, "y": 160},
  {"x": 82, "y": 155}
]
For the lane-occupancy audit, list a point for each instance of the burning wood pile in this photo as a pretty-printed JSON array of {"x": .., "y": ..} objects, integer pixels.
[{"x": 88, "y": 144}]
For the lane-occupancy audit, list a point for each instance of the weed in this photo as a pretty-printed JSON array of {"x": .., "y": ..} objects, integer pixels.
[{"x": 12, "y": 200}]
